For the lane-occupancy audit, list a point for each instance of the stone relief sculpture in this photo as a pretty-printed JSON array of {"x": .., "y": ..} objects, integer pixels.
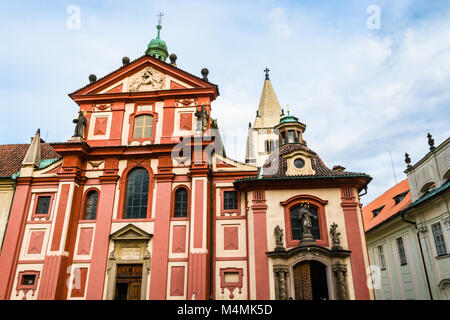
[
  {"x": 340, "y": 273},
  {"x": 80, "y": 125},
  {"x": 146, "y": 80}
]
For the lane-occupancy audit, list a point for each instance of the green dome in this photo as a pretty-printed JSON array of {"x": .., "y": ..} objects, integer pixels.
[
  {"x": 157, "y": 48},
  {"x": 288, "y": 118}
]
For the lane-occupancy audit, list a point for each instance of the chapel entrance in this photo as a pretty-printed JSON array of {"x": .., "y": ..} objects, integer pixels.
[
  {"x": 310, "y": 281},
  {"x": 128, "y": 282}
]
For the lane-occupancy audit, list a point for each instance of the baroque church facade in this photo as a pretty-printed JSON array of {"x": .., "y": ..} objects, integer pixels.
[{"x": 142, "y": 202}]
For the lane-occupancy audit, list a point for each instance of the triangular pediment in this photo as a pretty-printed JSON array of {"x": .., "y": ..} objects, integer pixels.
[
  {"x": 143, "y": 75},
  {"x": 130, "y": 232}
]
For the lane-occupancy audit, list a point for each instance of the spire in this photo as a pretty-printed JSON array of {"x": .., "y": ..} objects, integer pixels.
[
  {"x": 33, "y": 156},
  {"x": 157, "y": 48},
  {"x": 269, "y": 109}
]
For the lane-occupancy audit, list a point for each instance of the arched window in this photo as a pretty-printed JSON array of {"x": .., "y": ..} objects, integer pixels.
[
  {"x": 181, "y": 203},
  {"x": 296, "y": 223},
  {"x": 143, "y": 126},
  {"x": 136, "y": 197},
  {"x": 90, "y": 209}
]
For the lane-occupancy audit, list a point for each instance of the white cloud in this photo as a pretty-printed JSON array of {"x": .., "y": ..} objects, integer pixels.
[
  {"x": 361, "y": 93},
  {"x": 279, "y": 25}
]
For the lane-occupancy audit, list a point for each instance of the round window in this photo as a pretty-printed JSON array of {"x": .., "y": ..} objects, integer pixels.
[{"x": 299, "y": 163}]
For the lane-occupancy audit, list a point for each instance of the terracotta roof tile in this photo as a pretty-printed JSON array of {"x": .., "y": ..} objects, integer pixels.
[
  {"x": 316, "y": 162},
  {"x": 11, "y": 157},
  {"x": 389, "y": 209}
]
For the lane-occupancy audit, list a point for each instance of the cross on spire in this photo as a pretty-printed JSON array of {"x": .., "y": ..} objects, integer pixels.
[
  {"x": 160, "y": 15},
  {"x": 266, "y": 70}
]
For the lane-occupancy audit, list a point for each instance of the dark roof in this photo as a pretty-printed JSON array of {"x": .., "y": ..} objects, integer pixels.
[
  {"x": 11, "y": 156},
  {"x": 123, "y": 66},
  {"x": 321, "y": 170}
]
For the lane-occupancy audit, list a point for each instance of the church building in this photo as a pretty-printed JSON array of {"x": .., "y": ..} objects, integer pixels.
[{"x": 143, "y": 203}]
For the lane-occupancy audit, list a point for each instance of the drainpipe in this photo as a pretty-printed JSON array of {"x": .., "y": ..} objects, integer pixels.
[
  {"x": 421, "y": 254},
  {"x": 13, "y": 183},
  {"x": 211, "y": 233}
]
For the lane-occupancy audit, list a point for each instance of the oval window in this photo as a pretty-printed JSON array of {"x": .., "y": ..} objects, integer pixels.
[{"x": 299, "y": 163}]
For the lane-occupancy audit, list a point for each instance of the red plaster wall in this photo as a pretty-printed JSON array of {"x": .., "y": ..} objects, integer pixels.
[
  {"x": 85, "y": 241},
  {"x": 198, "y": 214},
  {"x": 231, "y": 238},
  {"x": 100, "y": 248},
  {"x": 179, "y": 239},
  {"x": 177, "y": 281},
  {"x": 36, "y": 241},
  {"x": 13, "y": 239},
  {"x": 158, "y": 279}
]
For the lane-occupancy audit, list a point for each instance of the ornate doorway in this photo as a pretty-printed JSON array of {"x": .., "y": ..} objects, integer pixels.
[
  {"x": 310, "y": 281},
  {"x": 128, "y": 282},
  {"x": 128, "y": 264}
]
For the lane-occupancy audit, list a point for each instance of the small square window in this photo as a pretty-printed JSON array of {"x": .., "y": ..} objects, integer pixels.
[
  {"x": 28, "y": 279},
  {"x": 43, "y": 205},
  {"x": 230, "y": 201}
]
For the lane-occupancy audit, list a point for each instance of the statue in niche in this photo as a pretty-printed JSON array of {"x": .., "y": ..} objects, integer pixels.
[
  {"x": 305, "y": 218},
  {"x": 202, "y": 119},
  {"x": 335, "y": 236},
  {"x": 148, "y": 79},
  {"x": 278, "y": 232},
  {"x": 80, "y": 125}
]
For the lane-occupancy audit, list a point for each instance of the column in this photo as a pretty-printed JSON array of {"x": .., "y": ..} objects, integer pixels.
[
  {"x": 13, "y": 236},
  {"x": 97, "y": 268}
]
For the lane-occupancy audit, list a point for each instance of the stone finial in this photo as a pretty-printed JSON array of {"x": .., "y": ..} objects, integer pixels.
[
  {"x": 408, "y": 160},
  {"x": 205, "y": 73},
  {"x": 125, "y": 61},
  {"x": 92, "y": 78},
  {"x": 431, "y": 142},
  {"x": 33, "y": 156},
  {"x": 173, "y": 59}
]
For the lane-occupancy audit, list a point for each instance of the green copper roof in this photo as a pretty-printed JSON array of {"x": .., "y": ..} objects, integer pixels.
[
  {"x": 157, "y": 48},
  {"x": 288, "y": 118},
  {"x": 46, "y": 162}
]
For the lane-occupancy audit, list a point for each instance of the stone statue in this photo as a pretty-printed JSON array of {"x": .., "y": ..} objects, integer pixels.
[
  {"x": 278, "y": 232},
  {"x": 335, "y": 236},
  {"x": 305, "y": 218},
  {"x": 81, "y": 124},
  {"x": 202, "y": 119}
]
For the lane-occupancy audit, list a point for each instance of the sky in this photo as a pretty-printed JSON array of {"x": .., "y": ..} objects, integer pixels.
[{"x": 370, "y": 79}]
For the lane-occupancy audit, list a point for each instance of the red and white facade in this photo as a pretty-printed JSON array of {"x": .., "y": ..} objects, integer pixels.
[{"x": 61, "y": 255}]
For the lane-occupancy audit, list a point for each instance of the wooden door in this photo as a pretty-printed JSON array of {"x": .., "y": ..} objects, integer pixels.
[
  {"x": 129, "y": 281},
  {"x": 302, "y": 281}
]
